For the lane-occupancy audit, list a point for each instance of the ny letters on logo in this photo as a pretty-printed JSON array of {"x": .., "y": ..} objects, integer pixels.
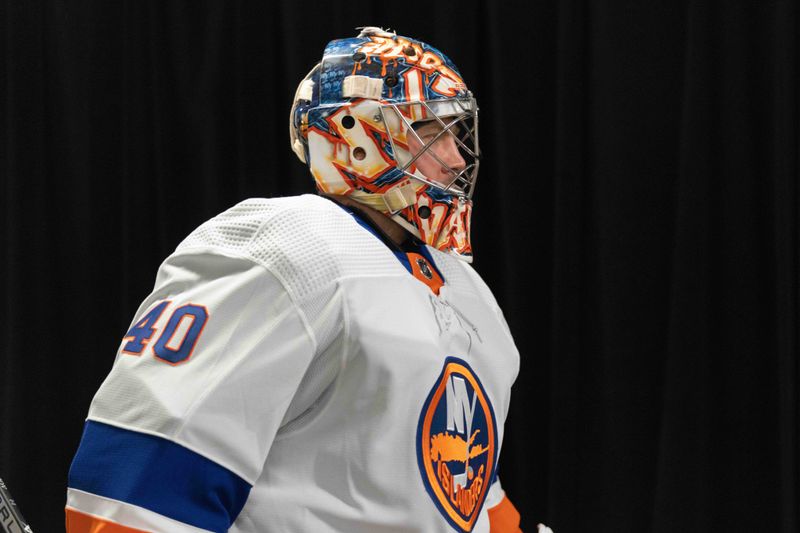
[{"x": 456, "y": 444}]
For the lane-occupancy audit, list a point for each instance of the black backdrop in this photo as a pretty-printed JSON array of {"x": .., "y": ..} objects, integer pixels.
[{"x": 636, "y": 216}]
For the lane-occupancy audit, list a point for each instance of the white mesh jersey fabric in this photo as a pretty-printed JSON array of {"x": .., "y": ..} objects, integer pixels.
[
  {"x": 307, "y": 242},
  {"x": 454, "y": 271},
  {"x": 226, "y": 401},
  {"x": 268, "y": 271},
  {"x": 319, "y": 355}
]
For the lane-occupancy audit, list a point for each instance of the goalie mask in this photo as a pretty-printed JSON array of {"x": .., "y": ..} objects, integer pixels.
[{"x": 388, "y": 121}]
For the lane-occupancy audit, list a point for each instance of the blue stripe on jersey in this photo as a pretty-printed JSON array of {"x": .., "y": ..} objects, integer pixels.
[{"x": 157, "y": 474}]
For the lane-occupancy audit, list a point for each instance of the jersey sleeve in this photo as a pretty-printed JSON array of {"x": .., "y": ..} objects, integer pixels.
[
  {"x": 503, "y": 516},
  {"x": 180, "y": 429}
]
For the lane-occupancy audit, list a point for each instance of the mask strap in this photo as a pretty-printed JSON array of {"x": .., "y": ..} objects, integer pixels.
[{"x": 394, "y": 200}]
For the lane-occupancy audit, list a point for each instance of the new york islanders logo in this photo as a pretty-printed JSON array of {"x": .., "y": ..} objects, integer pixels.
[{"x": 457, "y": 444}]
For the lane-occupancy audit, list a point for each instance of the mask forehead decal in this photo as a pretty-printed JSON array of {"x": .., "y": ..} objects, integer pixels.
[{"x": 433, "y": 70}]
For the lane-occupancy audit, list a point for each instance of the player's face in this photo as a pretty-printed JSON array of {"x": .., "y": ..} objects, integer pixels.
[{"x": 445, "y": 148}]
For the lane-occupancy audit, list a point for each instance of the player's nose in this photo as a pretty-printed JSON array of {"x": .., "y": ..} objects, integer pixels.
[{"x": 449, "y": 154}]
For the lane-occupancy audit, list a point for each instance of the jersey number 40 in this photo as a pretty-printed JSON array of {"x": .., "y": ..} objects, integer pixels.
[{"x": 177, "y": 338}]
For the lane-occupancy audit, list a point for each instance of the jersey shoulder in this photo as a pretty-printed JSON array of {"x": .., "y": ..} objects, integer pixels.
[{"x": 307, "y": 241}]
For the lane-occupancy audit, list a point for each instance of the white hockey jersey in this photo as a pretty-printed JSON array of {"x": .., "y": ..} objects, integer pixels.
[{"x": 289, "y": 374}]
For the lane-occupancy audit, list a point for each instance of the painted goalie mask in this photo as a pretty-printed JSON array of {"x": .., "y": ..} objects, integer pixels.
[{"x": 388, "y": 121}]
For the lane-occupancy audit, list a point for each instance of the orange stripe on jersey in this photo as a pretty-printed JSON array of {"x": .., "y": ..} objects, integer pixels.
[
  {"x": 78, "y": 522},
  {"x": 425, "y": 272},
  {"x": 504, "y": 518}
]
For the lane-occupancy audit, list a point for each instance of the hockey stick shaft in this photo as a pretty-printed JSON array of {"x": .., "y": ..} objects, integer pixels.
[{"x": 11, "y": 519}]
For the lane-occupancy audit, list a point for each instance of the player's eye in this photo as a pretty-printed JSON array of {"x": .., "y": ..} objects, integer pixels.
[{"x": 427, "y": 128}]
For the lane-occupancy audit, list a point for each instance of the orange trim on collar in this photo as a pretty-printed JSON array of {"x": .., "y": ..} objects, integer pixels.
[{"x": 424, "y": 271}]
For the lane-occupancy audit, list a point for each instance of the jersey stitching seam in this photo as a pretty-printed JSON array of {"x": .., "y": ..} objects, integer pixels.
[
  {"x": 315, "y": 409},
  {"x": 195, "y": 405},
  {"x": 280, "y": 279},
  {"x": 200, "y": 249},
  {"x": 208, "y": 248},
  {"x": 284, "y": 283}
]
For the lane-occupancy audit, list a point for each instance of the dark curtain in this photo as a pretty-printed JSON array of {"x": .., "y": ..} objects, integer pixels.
[{"x": 636, "y": 216}]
